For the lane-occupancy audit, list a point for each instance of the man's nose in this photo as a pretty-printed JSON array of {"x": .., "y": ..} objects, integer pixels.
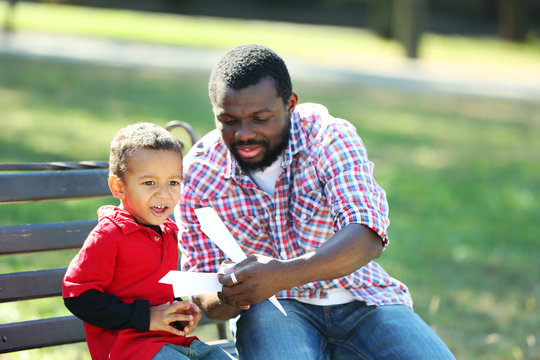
[{"x": 244, "y": 131}]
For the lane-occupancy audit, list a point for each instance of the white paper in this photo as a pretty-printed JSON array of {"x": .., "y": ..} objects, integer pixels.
[
  {"x": 191, "y": 283},
  {"x": 216, "y": 230}
]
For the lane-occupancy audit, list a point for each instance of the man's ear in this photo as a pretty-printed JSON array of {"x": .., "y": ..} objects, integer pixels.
[
  {"x": 117, "y": 187},
  {"x": 291, "y": 104}
]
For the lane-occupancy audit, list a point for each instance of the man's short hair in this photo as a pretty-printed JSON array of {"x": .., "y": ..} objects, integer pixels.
[
  {"x": 246, "y": 65},
  {"x": 135, "y": 137}
]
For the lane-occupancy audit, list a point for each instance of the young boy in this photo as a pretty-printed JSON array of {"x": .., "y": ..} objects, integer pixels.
[{"x": 112, "y": 283}]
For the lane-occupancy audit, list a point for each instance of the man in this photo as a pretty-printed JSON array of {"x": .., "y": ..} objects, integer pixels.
[{"x": 296, "y": 189}]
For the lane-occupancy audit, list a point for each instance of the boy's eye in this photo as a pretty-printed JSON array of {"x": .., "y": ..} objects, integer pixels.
[
  {"x": 174, "y": 183},
  {"x": 149, "y": 182}
]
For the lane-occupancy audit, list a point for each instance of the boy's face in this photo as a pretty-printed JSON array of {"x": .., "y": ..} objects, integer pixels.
[{"x": 150, "y": 188}]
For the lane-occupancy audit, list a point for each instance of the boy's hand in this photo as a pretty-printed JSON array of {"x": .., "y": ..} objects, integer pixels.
[
  {"x": 189, "y": 326},
  {"x": 162, "y": 317}
]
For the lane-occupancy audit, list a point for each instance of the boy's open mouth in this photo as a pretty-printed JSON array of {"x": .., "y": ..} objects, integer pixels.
[{"x": 159, "y": 210}]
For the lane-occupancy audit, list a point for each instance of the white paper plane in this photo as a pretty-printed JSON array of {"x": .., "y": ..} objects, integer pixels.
[
  {"x": 215, "y": 229},
  {"x": 191, "y": 283}
]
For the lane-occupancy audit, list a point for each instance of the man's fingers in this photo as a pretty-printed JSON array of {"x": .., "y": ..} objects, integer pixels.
[
  {"x": 223, "y": 298},
  {"x": 230, "y": 279},
  {"x": 226, "y": 300}
]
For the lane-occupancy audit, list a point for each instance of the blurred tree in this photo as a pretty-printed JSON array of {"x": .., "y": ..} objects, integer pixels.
[
  {"x": 380, "y": 17},
  {"x": 403, "y": 20},
  {"x": 8, "y": 21},
  {"x": 409, "y": 23},
  {"x": 513, "y": 19}
]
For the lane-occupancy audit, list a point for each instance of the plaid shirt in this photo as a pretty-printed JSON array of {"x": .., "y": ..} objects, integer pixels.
[{"x": 326, "y": 183}]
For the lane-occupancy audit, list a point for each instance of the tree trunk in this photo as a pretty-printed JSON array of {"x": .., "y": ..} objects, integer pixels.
[
  {"x": 513, "y": 22},
  {"x": 409, "y": 23}
]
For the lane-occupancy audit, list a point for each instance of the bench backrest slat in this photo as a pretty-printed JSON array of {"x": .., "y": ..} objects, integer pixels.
[
  {"x": 31, "y": 284},
  {"x": 54, "y": 185},
  {"x": 21, "y": 239},
  {"x": 39, "y": 333}
]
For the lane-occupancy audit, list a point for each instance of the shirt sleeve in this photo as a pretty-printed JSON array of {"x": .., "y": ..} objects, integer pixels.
[
  {"x": 354, "y": 195},
  {"x": 92, "y": 267},
  {"x": 109, "y": 312}
]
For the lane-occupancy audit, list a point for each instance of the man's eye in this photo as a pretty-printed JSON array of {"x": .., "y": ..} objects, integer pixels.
[
  {"x": 262, "y": 119},
  {"x": 226, "y": 121}
]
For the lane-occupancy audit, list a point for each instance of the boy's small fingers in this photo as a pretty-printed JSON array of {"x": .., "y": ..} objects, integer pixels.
[
  {"x": 181, "y": 317},
  {"x": 182, "y": 304},
  {"x": 175, "y": 331}
]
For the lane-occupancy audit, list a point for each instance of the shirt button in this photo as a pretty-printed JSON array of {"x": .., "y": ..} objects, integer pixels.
[
  {"x": 283, "y": 254},
  {"x": 157, "y": 238},
  {"x": 304, "y": 217}
]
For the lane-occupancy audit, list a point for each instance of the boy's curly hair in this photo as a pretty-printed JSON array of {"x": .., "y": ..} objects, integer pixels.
[{"x": 137, "y": 136}]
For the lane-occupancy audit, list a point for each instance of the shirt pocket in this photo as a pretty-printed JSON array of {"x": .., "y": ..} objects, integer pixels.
[{"x": 312, "y": 222}]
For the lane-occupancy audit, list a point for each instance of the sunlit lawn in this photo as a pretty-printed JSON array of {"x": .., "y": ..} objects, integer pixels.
[{"x": 462, "y": 177}]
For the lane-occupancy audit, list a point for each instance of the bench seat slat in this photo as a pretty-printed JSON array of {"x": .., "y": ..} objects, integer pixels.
[
  {"x": 40, "y": 333},
  {"x": 63, "y": 330},
  {"x": 53, "y": 185},
  {"x": 31, "y": 284},
  {"x": 21, "y": 239}
]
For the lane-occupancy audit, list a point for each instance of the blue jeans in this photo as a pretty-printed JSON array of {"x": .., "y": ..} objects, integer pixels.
[
  {"x": 348, "y": 331},
  {"x": 197, "y": 350}
]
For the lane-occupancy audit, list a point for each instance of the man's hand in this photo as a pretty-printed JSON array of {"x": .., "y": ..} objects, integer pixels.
[
  {"x": 258, "y": 278},
  {"x": 162, "y": 316}
]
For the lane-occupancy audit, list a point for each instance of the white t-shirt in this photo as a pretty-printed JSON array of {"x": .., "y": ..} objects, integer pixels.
[
  {"x": 336, "y": 296},
  {"x": 266, "y": 179}
]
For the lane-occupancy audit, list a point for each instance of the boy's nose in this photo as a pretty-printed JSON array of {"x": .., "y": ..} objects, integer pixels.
[{"x": 162, "y": 191}]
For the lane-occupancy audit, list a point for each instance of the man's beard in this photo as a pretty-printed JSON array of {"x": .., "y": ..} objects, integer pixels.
[{"x": 270, "y": 155}]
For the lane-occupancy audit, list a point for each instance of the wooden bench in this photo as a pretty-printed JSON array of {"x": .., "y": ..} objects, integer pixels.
[{"x": 33, "y": 182}]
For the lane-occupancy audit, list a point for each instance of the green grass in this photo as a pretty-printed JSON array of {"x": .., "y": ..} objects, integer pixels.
[{"x": 462, "y": 174}]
